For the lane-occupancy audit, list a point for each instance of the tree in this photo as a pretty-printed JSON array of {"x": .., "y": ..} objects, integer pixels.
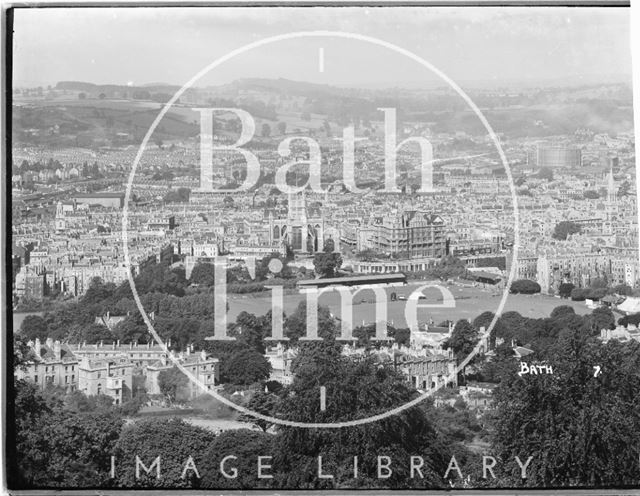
[
  {"x": 250, "y": 331},
  {"x": 59, "y": 448},
  {"x": 601, "y": 318},
  {"x": 131, "y": 331},
  {"x": 96, "y": 333},
  {"x": 327, "y": 264},
  {"x": 295, "y": 325},
  {"x": 203, "y": 274},
  {"x": 174, "y": 441},
  {"x": 181, "y": 195},
  {"x": 561, "y": 311},
  {"x": 282, "y": 127},
  {"x": 266, "y": 130},
  {"x": 264, "y": 403},
  {"x": 172, "y": 383},
  {"x": 98, "y": 292},
  {"x": 34, "y": 326},
  {"x": 623, "y": 290},
  {"x": 524, "y": 286},
  {"x": 329, "y": 246},
  {"x": 565, "y": 228},
  {"x": 159, "y": 278},
  {"x": 581, "y": 430},
  {"x": 579, "y": 294},
  {"x": 591, "y": 195},
  {"x": 633, "y": 319},
  {"x": 246, "y": 446},
  {"x": 463, "y": 339},
  {"x": 354, "y": 389},
  {"x": 82, "y": 96},
  {"x": 245, "y": 367},
  {"x": 565, "y": 289},
  {"x": 545, "y": 173}
]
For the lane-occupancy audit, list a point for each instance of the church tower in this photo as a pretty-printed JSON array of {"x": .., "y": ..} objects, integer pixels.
[
  {"x": 611, "y": 207},
  {"x": 61, "y": 224}
]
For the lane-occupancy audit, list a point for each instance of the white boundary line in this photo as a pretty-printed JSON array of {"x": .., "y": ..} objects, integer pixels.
[{"x": 325, "y": 34}]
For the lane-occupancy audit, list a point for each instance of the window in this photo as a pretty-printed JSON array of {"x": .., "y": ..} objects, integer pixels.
[
  {"x": 66, "y": 379},
  {"x": 35, "y": 378},
  {"x": 99, "y": 375}
]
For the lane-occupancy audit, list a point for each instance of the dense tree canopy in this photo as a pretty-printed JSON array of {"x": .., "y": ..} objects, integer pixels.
[
  {"x": 327, "y": 264},
  {"x": 580, "y": 429},
  {"x": 173, "y": 384},
  {"x": 174, "y": 441},
  {"x": 524, "y": 286},
  {"x": 245, "y": 367},
  {"x": 354, "y": 389},
  {"x": 57, "y": 447},
  {"x": 564, "y": 229},
  {"x": 34, "y": 326}
]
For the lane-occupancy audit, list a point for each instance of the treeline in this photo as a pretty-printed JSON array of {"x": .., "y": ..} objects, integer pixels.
[
  {"x": 547, "y": 417},
  {"x": 359, "y": 388}
]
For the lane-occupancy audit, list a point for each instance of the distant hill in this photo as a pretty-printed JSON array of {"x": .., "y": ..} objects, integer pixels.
[{"x": 115, "y": 90}]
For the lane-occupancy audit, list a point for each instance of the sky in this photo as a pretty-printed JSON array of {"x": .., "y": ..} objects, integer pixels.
[{"x": 469, "y": 44}]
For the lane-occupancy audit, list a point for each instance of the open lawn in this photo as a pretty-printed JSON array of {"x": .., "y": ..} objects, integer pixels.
[{"x": 469, "y": 303}]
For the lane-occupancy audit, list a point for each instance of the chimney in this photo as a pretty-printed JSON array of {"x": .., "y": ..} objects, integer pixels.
[
  {"x": 203, "y": 355},
  {"x": 163, "y": 360},
  {"x": 188, "y": 351},
  {"x": 148, "y": 345},
  {"x": 113, "y": 346},
  {"x": 130, "y": 345},
  {"x": 118, "y": 345},
  {"x": 49, "y": 342},
  {"x": 57, "y": 350},
  {"x": 36, "y": 347}
]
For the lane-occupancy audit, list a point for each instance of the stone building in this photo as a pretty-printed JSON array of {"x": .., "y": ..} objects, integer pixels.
[
  {"x": 205, "y": 369},
  {"x": 50, "y": 364},
  {"x": 112, "y": 377}
]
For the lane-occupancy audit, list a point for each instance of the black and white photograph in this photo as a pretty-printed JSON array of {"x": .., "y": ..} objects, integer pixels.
[{"x": 316, "y": 247}]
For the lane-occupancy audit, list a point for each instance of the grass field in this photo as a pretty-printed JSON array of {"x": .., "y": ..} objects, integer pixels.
[{"x": 470, "y": 302}]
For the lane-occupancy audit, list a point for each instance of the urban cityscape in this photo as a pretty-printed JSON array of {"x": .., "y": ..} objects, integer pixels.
[{"x": 284, "y": 282}]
